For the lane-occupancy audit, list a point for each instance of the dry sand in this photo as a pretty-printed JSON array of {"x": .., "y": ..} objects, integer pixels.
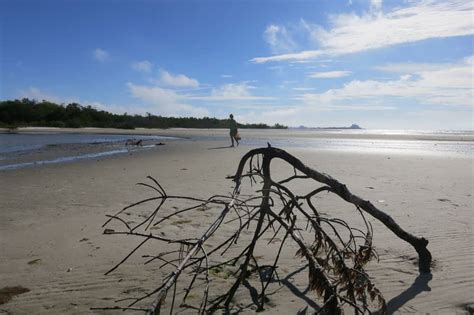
[{"x": 51, "y": 216}]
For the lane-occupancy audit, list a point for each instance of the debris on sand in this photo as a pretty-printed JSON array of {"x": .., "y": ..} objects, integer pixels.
[{"x": 7, "y": 293}]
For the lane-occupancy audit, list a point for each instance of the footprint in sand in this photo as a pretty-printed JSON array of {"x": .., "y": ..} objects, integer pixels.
[{"x": 447, "y": 200}]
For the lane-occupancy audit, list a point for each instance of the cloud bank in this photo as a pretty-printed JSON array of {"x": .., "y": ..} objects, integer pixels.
[{"x": 352, "y": 33}]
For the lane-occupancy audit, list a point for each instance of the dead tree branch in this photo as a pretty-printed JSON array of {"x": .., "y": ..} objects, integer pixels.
[{"x": 336, "y": 252}]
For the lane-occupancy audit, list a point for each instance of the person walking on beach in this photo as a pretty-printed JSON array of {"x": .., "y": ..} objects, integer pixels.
[{"x": 234, "y": 133}]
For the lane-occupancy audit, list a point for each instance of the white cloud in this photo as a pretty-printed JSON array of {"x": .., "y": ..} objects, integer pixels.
[
  {"x": 153, "y": 94},
  {"x": 423, "y": 67},
  {"x": 166, "y": 102},
  {"x": 231, "y": 92},
  {"x": 410, "y": 67},
  {"x": 329, "y": 74},
  {"x": 226, "y": 76},
  {"x": 375, "y": 4},
  {"x": 440, "y": 84},
  {"x": 142, "y": 66},
  {"x": 39, "y": 95},
  {"x": 101, "y": 55},
  {"x": 322, "y": 116},
  {"x": 177, "y": 81},
  {"x": 351, "y": 33},
  {"x": 303, "y": 55},
  {"x": 288, "y": 115},
  {"x": 279, "y": 39},
  {"x": 171, "y": 102},
  {"x": 303, "y": 88}
]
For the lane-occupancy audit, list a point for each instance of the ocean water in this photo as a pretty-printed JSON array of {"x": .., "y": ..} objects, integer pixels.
[
  {"x": 452, "y": 143},
  {"x": 391, "y": 132},
  {"x": 30, "y": 141},
  {"x": 33, "y": 149},
  {"x": 375, "y": 146}
]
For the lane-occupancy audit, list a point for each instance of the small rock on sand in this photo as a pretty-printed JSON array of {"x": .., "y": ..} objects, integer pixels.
[{"x": 34, "y": 261}]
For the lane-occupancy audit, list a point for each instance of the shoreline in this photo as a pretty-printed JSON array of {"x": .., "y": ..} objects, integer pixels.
[
  {"x": 457, "y": 136},
  {"x": 89, "y": 147}
]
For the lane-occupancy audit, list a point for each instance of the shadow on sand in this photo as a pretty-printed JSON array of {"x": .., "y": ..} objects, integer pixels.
[
  {"x": 419, "y": 285},
  {"x": 286, "y": 282},
  {"x": 219, "y": 148}
]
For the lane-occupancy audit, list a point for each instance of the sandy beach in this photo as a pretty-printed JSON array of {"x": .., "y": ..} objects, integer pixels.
[{"x": 51, "y": 239}]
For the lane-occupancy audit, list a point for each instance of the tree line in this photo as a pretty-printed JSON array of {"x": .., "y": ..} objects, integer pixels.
[{"x": 27, "y": 112}]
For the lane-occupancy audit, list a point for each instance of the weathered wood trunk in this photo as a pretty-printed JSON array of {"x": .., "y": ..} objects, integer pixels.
[{"x": 419, "y": 243}]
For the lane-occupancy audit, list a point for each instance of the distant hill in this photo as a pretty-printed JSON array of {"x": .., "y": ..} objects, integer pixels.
[{"x": 26, "y": 112}]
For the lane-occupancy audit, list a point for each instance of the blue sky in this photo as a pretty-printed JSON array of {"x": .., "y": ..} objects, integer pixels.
[{"x": 381, "y": 64}]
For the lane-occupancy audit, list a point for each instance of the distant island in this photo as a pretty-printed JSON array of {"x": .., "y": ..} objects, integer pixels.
[
  {"x": 353, "y": 126},
  {"x": 31, "y": 113}
]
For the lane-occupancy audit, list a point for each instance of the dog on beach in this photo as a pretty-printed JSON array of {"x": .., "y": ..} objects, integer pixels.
[{"x": 131, "y": 142}]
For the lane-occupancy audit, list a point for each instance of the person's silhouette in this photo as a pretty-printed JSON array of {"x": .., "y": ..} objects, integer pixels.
[{"x": 233, "y": 130}]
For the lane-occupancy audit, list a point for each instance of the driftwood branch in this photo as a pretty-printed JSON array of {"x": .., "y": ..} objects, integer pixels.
[
  {"x": 335, "y": 252},
  {"x": 419, "y": 243}
]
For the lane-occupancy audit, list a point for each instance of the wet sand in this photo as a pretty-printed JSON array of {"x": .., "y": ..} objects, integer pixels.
[{"x": 264, "y": 133}]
